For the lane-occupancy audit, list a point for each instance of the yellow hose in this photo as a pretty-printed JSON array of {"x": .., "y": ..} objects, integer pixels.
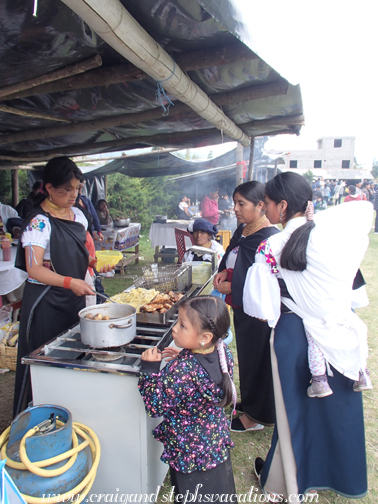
[{"x": 83, "y": 487}]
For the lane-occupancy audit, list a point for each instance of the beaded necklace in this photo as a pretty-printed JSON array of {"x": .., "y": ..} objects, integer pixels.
[
  {"x": 255, "y": 226},
  {"x": 65, "y": 213},
  {"x": 204, "y": 350}
]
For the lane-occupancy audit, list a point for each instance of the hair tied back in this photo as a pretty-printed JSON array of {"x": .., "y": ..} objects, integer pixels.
[{"x": 309, "y": 213}]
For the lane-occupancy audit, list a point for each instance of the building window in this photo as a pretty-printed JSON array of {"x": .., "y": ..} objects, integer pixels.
[
  {"x": 293, "y": 164},
  {"x": 320, "y": 144},
  {"x": 345, "y": 163},
  {"x": 317, "y": 164},
  {"x": 337, "y": 143}
]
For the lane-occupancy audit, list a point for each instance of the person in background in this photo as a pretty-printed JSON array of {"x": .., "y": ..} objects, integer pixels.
[
  {"x": 6, "y": 213},
  {"x": 190, "y": 393},
  {"x": 103, "y": 213},
  {"x": 52, "y": 251},
  {"x": 203, "y": 233},
  {"x": 209, "y": 205},
  {"x": 326, "y": 193},
  {"x": 93, "y": 232},
  {"x": 353, "y": 195},
  {"x": 359, "y": 191},
  {"x": 224, "y": 203},
  {"x": 252, "y": 335},
  {"x": 375, "y": 203},
  {"x": 368, "y": 192},
  {"x": 338, "y": 192},
  {"x": 294, "y": 284},
  {"x": 183, "y": 212},
  {"x": 26, "y": 204},
  {"x": 86, "y": 206}
]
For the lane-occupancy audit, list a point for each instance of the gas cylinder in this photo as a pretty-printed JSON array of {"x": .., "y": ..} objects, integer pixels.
[{"x": 53, "y": 438}]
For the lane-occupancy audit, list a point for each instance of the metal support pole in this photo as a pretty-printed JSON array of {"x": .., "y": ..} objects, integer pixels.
[
  {"x": 239, "y": 164},
  {"x": 251, "y": 173},
  {"x": 275, "y": 167},
  {"x": 15, "y": 188}
]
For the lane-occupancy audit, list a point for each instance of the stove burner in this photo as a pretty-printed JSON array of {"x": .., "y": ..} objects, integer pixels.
[{"x": 109, "y": 355}]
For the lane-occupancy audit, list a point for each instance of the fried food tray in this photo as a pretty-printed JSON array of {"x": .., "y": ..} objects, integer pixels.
[{"x": 164, "y": 318}]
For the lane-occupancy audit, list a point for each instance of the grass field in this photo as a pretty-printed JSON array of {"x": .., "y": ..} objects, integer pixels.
[{"x": 252, "y": 444}]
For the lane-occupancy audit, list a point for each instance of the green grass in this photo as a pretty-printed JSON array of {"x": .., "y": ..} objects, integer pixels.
[{"x": 253, "y": 444}]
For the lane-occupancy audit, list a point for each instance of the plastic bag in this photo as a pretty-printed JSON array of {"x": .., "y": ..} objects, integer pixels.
[{"x": 5, "y": 320}]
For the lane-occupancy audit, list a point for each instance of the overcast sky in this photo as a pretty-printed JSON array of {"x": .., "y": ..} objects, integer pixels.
[{"x": 330, "y": 48}]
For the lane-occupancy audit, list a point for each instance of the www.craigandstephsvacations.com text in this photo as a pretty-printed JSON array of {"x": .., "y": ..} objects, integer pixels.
[{"x": 253, "y": 495}]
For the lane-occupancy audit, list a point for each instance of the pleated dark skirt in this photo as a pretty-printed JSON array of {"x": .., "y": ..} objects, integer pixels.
[
  {"x": 195, "y": 486},
  {"x": 255, "y": 370},
  {"x": 317, "y": 443}
]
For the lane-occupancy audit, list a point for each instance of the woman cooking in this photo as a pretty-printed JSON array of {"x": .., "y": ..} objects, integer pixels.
[
  {"x": 252, "y": 335},
  {"x": 52, "y": 251}
]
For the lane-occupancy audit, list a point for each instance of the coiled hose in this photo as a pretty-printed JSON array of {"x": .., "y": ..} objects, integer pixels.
[{"x": 83, "y": 487}]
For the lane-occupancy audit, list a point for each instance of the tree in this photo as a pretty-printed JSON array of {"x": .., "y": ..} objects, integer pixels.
[
  {"x": 309, "y": 176},
  {"x": 374, "y": 170}
]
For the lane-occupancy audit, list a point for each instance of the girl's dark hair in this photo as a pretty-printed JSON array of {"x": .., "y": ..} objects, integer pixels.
[
  {"x": 57, "y": 172},
  {"x": 296, "y": 191},
  {"x": 252, "y": 191},
  {"x": 211, "y": 314},
  {"x": 352, "y": 189},
  {"x": 99, "y": 203}
]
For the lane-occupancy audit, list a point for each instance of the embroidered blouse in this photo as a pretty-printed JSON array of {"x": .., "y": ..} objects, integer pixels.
[
  {"x": 194, "y": 430},
  {"x": 38, "y": 231}
]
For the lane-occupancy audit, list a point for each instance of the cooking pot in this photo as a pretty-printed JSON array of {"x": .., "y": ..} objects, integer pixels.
[
  {"x": 119, "y": 330},
  {"x": 121, "y": 222}
]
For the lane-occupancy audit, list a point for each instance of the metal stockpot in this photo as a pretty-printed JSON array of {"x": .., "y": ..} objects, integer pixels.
[{"x": 119, "y": 330}]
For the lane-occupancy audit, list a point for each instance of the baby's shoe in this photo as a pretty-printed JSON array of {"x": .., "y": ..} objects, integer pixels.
[
  {"x": 363, "y": 383},
  {"x": 319, "y": 388}
]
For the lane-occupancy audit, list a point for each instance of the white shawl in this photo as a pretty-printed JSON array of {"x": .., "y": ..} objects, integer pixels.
[{"x": 322, "y": 293}]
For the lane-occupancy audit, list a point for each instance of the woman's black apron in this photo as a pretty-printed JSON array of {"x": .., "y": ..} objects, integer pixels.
[
  {"x": 251, "y": 335},
  {"x": 46, "y": 310}
]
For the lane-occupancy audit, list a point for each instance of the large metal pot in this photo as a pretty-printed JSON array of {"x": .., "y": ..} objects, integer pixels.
[
  {"x": 119, "y": 330},
  {"x": 120, "y": 223}
]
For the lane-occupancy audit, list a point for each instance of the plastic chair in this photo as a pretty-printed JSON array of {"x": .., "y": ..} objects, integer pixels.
[{"x": 180, "y": 243}]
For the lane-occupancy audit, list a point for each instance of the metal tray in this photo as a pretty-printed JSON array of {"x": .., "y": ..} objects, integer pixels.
[{"x": 163, "y": 318}]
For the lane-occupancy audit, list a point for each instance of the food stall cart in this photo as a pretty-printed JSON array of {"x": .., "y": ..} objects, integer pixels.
[
  {"x": 122, "y": 239},
  {"x": 107, "y": 398}
]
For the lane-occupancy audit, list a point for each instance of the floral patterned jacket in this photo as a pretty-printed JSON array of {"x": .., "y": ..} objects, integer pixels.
[{"x": 194, "y": 430}]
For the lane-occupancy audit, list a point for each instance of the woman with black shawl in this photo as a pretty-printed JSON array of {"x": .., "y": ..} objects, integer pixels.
[
  {"x": 52, "y": 251},
  {"x": 252, "y": 335}
]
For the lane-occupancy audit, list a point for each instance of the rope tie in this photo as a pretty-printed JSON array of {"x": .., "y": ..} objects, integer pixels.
[{"x": 160, "y": 92}]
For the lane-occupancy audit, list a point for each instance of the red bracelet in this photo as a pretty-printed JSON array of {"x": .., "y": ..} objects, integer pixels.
[
  {"x": 67, "y": 282},
  {"x": 93, "y": 263}
]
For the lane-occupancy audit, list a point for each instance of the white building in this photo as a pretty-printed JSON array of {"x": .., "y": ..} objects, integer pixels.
[
  {"x": 333, "y": 153},
  {"x": 333, "y": 159}
]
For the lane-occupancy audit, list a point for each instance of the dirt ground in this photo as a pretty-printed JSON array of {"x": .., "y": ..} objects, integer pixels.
[{"x": 6, "y": 399}]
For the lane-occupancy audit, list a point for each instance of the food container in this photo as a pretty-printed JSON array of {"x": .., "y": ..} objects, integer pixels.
[
  {"x": 104, "y": 257},
  {"x": 118, "y": 331},
  {"x": 163, "y": 318},
  {"x": 120, "y": 223}
]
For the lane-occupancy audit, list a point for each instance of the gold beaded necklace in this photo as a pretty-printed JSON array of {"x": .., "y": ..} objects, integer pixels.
[
  {"x": 254, "y": 226},
  {"x": 204, "y": 350},
  {"x": 56, "y": 211}
]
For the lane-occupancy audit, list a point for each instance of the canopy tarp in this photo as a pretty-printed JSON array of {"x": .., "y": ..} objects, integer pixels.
[{"x": 106, "y": 104}]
